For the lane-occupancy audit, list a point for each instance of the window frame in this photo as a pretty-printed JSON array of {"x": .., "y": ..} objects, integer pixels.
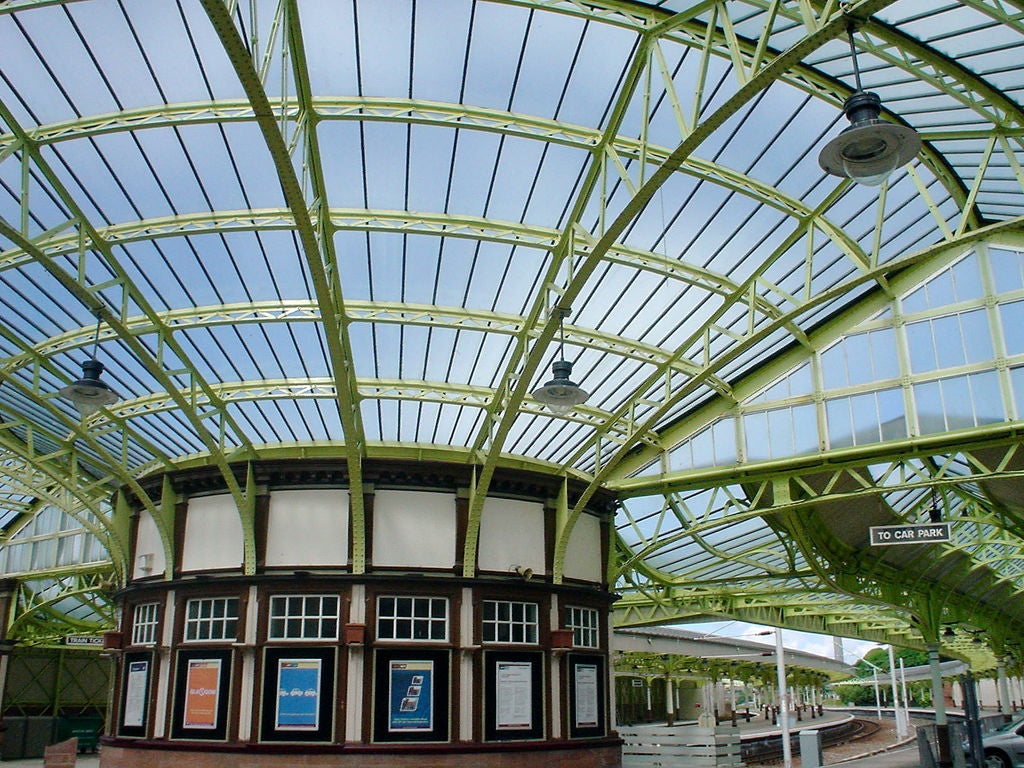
[
  {"x": 396, "y": 618},
  {"x": 526, "y": 623},
  {"x": 320, "y": 618},
  {"x": 146, "y": 624},
  {"x": 227, "y": 634},
  {"x": 582, "y": 631}
]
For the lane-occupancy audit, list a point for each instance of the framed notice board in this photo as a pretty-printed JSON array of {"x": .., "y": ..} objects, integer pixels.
[
  {"x": 136, "y": 684},
  {"x": 587, "y": 694},
  {"x": 411, "y": 695},
  {"x": 202, "y": 691},
  {"x": 513, "y": 695},
  {"x": 298, "y": 694}
]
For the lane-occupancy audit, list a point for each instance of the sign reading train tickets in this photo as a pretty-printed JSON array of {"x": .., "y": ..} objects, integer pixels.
[
  {"x": 885, "y": 535},
  {"x": 83, "y": 641}
]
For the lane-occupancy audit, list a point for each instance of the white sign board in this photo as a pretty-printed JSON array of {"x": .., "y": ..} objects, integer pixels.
[
  {"x": 886, "y": 535},
  {"x": 83, "y": 641}
]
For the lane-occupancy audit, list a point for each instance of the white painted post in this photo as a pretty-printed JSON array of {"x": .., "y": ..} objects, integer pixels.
[
  {"x": 780, "y": 669},
  {"x": 901, "y": 729}
]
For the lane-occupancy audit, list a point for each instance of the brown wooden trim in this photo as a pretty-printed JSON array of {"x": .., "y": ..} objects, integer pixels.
[
  {"x": 261, "y": 524},
  {"x": 550, "y": 537},
  {"x": 462, "y": 531},
  {"x": 606, "y": 536},
  {"x": 134, "y": 519},
  {"x": 180, "y": 520},
  {"x": 369, "y": 497}
]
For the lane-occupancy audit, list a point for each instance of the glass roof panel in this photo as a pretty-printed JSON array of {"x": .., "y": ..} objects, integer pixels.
[{"x": 292, "y": 210}]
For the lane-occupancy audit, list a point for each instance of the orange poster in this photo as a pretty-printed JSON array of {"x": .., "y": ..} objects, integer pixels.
[{"x": 202, "y": 691}]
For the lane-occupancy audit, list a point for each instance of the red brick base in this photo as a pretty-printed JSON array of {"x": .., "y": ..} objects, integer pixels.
[
  {"x": 117, "y": 755},
  {"x": 61, "y": 755}
]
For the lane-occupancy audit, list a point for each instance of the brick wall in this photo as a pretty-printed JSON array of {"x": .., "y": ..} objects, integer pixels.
[{"x": 598, "y": 757}]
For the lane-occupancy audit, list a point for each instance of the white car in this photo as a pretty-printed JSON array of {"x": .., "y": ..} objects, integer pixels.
[{"x": 1004, "y": 747}]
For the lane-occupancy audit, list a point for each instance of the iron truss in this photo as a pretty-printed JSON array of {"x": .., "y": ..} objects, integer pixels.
[{"x": 363, "y": 250}]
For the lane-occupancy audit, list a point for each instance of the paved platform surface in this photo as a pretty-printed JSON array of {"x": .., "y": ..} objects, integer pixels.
[
  {"x": 900, "y": 757},
  {"x": 84, "y": 761},
  {"x": 895, "y": 757}
]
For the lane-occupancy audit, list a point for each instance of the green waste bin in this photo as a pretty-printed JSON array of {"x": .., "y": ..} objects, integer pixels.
[{"x": 86, "y": 728}]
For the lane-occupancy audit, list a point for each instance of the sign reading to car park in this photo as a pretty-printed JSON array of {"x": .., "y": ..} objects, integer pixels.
[{"x": 885, "y": 535}]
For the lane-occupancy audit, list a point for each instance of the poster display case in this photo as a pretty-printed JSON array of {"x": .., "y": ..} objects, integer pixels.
[
  {"x": 201, "y": 694},
  {"x": 586, "y": 687},
  {"x": 513, "y": 695},
  {"x": 411, "y": 697},
  {"x": 135, "y": 694},
  {"x": 298, "y": 695}
]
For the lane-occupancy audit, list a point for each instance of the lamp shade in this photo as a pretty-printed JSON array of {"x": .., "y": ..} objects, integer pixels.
[
  {"x": 869, "y": 149},
  {"x": 90, "y": 393},
  {"x": 560, "y": 394}
]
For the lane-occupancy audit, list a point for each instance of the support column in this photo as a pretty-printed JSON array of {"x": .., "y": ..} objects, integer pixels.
[
  {"x": 901, "y": 726},
  {"x": 938, "y": 694},
  {"x": 466, "y": 661},
  {"x": 670, "y": 707},
  {"x": 356, "y": 670},
  {"x": 163, "y": 678},
  {"x": 8, "y": 588},
  {"x": 939, "y": 703},
  {"x": 780, "y": 668},
  {"x": 1003, "y": 684},
  {"x": 613, "y": 712},
  {"x": 555, "y": 681},
  {"x": 247, "y": 651}
]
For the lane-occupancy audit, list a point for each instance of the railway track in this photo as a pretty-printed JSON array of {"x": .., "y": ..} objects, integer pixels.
[{"x": 767, "y": 750}]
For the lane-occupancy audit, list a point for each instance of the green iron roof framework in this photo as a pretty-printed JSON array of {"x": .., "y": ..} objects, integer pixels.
[{"x": 652, "y": 166}]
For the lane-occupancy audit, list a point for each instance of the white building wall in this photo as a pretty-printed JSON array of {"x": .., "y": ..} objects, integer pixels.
[
  {"x": 413, "y": 529},
  {"x": 511, "y": 534},
  {"x": 308, "y": 528},
  {"x": 213, "y": 534}
]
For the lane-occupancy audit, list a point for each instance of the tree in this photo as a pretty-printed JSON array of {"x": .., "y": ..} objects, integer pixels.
[{"x": 879, "y": 657}]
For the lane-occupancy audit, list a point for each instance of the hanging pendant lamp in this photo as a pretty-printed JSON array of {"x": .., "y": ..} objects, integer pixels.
[
  {"x": 90, "y": 393},
  {"x": 561, "y": 394},
  {"x": 869, "y": 149}
]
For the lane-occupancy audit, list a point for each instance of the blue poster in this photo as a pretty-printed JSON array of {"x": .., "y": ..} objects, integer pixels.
[
  {"x": 298, "y": 695},
  {"x": 410, "y": 694}
]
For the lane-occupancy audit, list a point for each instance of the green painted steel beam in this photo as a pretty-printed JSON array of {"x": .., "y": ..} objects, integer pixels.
[
  {"x": 687, "y": 28},
  {"x": 314, "y": 236},
  {"x": 327, "y": 449},
  {"x": 560, "y": 282},
  {"x": 828, "y": 30},
  {"x": 91, "y": 297},
  {"x": 438, "y": 113},
  {"x": 837, "y": 479},
  {"x": 308, "y": 311},
  {"x": 901, "y": 273},
  {"x": 324, "y": 389},
  {"x": 967, "y": 441},
  {"x": 35, "y": 614},
  {"x": 512, "y": 234}
]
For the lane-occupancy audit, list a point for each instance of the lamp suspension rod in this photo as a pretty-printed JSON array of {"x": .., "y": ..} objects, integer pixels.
[
  {"x": 96, "y": 336},
  {"x": 853, "y": 54},
  {"x": 561, "y": 332}
]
